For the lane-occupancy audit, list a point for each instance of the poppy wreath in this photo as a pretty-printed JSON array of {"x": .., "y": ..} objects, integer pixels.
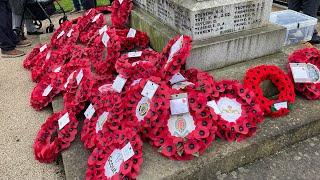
[
  {"x": 59, "y": 37},
  {"x": 120, "y": 13},
  {"x": 176, "y": 53},
  {"x": 308, "y": 56},
  {"x": 77, "y": 94},
  {"x": 261, "y": 73},
  {"x": 108, "y": 106},
  {"x": 195, "y": 79},
  {"x": 138, "y": 67},
  {"x": 239, "y": 110},
  {"x": 184, "y": 136},
  {"x": 104, "y": 9},
  {"x": 31, "y": 58},
  {"x": 142, "y": 111},
  {"x": 39, "y": 98},
  {"x": 96, "y": 23},
  {"x": 46, "y": 150},
  {"x": 107, "y": 161},
  {"x": 45, "y": 66},
  {"x": 83, "y": 21},
  {"x": 140, "y": 39}
]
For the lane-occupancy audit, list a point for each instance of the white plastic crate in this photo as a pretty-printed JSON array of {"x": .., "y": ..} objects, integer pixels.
[{"x": 299, "y": 26}]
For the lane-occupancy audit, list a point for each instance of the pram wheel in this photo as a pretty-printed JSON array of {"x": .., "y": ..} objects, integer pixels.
[
  {"x": 37, "y": 24},
  {"x": 62, "y": 20},
  {"x": 50, "y": 28}
]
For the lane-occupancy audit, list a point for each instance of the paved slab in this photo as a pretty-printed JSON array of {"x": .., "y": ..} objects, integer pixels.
[
  {"x": 20, "y": 123},
  {"x": 300, "y": 161}
]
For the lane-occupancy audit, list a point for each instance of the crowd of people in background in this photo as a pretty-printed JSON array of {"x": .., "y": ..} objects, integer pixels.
[{"x": 12, "y": 11}]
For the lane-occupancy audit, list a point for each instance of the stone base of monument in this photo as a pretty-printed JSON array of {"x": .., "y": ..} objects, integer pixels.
[
  {"x": 215, "y": 52},
  {"x": 272, "y": 135}
]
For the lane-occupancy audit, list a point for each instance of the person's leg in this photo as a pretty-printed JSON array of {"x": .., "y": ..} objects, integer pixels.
[
  {"x": 310, "y": 7},
  {"x": 83, "y": 4},
  {"x": 295, "y": 5},
  {"x": 16, "y": 21},
  {"x": 76, "y": 4}
]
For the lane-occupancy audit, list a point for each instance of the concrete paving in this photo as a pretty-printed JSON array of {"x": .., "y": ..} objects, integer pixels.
[{"x": 300, "y": 161}]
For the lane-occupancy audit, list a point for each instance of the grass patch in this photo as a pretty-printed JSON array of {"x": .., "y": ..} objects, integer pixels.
[{"x": 68, "y": 4}]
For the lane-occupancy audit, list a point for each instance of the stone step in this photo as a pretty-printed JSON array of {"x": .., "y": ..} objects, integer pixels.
[{"x": 218, "y": 51}]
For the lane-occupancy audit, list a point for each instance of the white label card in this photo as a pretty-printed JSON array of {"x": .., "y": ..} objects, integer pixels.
[
  {"x": 120, "y": 1},
  {"x": 181, "y": 85},
  {"x": 96, "y": 17},
  {"x": 132, "y": 33},
  {"x": 142, "y": 108},
  {"x": 174, "y": 48},
  {"x": 64, "y": 120},
  {"x": 214, "y": 105},
  {"x": 105, "y": 39},
  {"x": 89, "y": 112},
  {"x": 149, "y": 89},
  {"x": 181, "y": 125},
  {"x": 47, "y": 90},
  {"x": 68, "y": 80},
  {"x": 103, "y": 29},
  {"x": 280, "y": 105},
  {"x": 127, "y": 152},
  {"x": 43, "y": 48},
  {"x": 58, "y": 69},
  {"x": 79, "y": 76},
  {"x": 113, "y": 163},
  {"x": 305, "y": 73},
  {"x": 119, "y": 83},
  {"x": 179, "y": 104},
  {"x": 60, "y": 34},
  {"x": 177, "y": 78},
  {"x": 230, "y": 109},
  {"x": 88, "y": 12},
  {"x": 70, "y": 33},
  {"x": 135, "y": 82},
  {"x": 135, "y": 54},
  {"x": 48, "y": 55},
  {"x": 102, "y": 119}
]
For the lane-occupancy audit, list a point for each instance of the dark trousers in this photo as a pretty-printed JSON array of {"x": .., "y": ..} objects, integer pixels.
[
  {"x": 90, "y": 4},
  {"x": 308, "y": 7},
  {"x": 76, "y": 4},
  {"x": 8, "y": 39}
]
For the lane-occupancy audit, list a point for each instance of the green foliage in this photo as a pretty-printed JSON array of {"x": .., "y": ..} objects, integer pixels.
[{"x": 68, "y": 4}]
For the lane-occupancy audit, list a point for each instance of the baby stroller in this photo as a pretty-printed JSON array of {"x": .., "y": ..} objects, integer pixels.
[{"x": 41, "y": 10}]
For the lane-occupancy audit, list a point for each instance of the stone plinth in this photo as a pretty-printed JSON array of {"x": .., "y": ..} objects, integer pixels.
[
  {"x": 215, "y": 52},
  {"x": 210, "y": 18}
]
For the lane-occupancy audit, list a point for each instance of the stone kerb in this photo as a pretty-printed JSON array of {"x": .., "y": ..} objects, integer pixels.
[{"x": 210, "y": 18}]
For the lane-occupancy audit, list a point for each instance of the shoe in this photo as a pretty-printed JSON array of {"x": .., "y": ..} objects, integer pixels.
[
  {"x": 315, "y": 40},
  {"x": 34, "y": 33},
  {"x": 23, "y": 43},
  {"x": 74, "y": 10},
  {"x": 12, "y": 53}
]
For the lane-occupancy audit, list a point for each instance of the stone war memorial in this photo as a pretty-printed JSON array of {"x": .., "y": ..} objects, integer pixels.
[
  {"x": 224, "y": 32},
  {"x": 170, "y": 89}
]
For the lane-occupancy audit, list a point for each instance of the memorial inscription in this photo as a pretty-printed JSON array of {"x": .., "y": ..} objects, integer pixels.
[{"x": 209, "y": 21}]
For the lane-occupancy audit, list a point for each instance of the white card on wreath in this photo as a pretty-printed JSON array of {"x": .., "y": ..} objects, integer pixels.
[
  {"x": 179, "y": 104},
  {"x": 79, "y": 76},
  {"x": 149, "y": 89},
  {"x": 174, "y": 48},
  {"x": 64, "y": 120},
  {"x": 102, "y": 119},
  {"x": 119, "y": 83},
  {"x": 60, "y": 34},
  {"x": 89, "y": 112},
  {"x": 105, "y": 39},
  {"x": 43, "y": 48},
  {"x": 96, "y": 17},
  {"x": 135, "y": 54},
  {"x": 127, "y": 152},
  {"x": 70, "y": 33},
  {"x": 177, "y": 78},
  {"x": 132, "y": 33},
  {"x": 103, "y": 29},
  {"x": 214, "y": 105},
  {"x": 47, "y": 91},
  {"x": 281, "y": 105}
]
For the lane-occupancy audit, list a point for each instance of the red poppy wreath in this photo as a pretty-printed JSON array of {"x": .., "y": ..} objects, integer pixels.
[
  {"x": 138, "y": 64},
  {"x": 120, "y": 12},
  {"x": 131, "y": 38},
  {"x": 186, "y": 135},
  {"x": 46, "y": 150},
  {"x": 273, "y": 108},
  {"x": 32, "y": 58},
  {"x": 117, "y": 156},
  {"x": 97, "y": 22},
  {"x": 237, "y": 109},
  {"x": 310, "y": 57},
  {"x": 66, "y": 35},
  {"x": 176, "y": 53}
]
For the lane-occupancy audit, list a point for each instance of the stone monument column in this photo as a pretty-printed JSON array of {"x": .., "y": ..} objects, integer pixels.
[{"x": 224, "y": 32}]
